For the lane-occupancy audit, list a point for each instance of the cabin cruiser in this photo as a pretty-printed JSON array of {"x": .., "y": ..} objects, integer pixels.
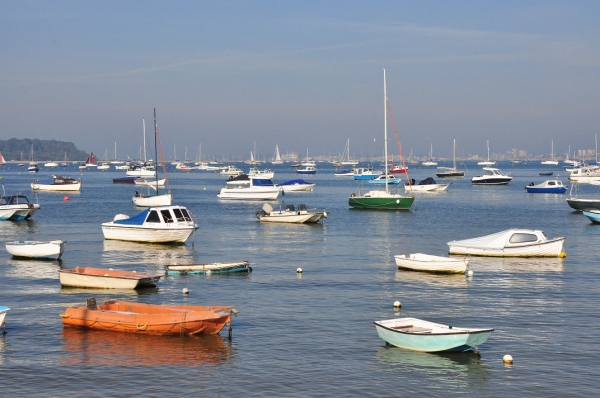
[
  {"x": 246, "y": 188},
  {"x": 491, "y": 176}
]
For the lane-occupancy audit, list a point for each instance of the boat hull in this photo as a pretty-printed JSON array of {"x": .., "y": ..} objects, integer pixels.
[
  {"x": 593, "y": 215},
  {"x": 417, "y": 335},
  {"x": 552, "y": 248},
  {"x": 491, "y": 181},
  {"x": 56, "y": 187},
  {"x": 208, "y": 269},
  {"x": 33, "y": 249},
  {"x": 426, "y": 188},
  {"x": 155, "y": 200},
  {"x": 582, "y": 204},
  {"x": 146, "y": 234},
  {"x": 427, "y": 263},
  {"x": 106, "y": 279},
  {"x": 545, "y": 190},
  {"x": 248, "y": 194},
  {"x": 381, "y": 201},
  {"x": 120, "y": 316},
  {"x": 3, "y": 311}
]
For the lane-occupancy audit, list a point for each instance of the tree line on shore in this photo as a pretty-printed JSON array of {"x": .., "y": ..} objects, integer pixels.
[{"x": 18, "y": 150}]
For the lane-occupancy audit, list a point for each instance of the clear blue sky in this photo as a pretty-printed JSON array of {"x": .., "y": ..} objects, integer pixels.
[{"x": 303, "y": 74}]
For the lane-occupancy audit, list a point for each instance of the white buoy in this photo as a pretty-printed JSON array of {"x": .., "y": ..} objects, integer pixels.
[
  {"x": 469, "y": 273},
  {"x": 204, "y": 188},
  {"x": 185, "y": 291},
  {"x": 507, "y": 359},
  {"x": 299, "y": 270},
  {"x": 397, "y": 304}
]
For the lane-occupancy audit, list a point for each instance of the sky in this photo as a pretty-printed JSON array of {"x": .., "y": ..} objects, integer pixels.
[{"x": 231, "y": 76}]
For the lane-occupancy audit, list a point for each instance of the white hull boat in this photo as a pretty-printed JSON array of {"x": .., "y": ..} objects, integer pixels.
[
  {"x": 231, "y": 171},
  {"x": 510, "y": 243},
  {"x": 141, "y": 172},
  {"x": 420, "y": 335},
  {"x": 243, "y": 187},
  {"x": 163, "y": 224},
  {"x": 256, "y": 173},
  {"x": 426, "y": 262},
  {"x": 106, "y": 278},
  {"x": 208, "y": 269},
  {"x": 147, "y": 182},
  {"x": 52, "y": 250},
  {"x": 585, "y": 174},
  {"x": 57, "y": 183},
  {"x": 427, "y": 185},
  {"x": 290, "y": 214},
  {"x": 17, "y": 207},
  {"x": 491, "y": 176},
  {"x": 153, "y": 200}
]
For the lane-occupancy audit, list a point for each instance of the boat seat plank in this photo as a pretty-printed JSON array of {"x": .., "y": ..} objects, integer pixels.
[{"x": 402, "y": 327}]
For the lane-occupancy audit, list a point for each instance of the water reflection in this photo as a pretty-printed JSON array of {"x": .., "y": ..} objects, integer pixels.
[
  {"x": 128, "y": 293},
  {"x": 98, "y": 347},
  {"x": 448, "y": 368},
  {"x": 34, "y": 269},
  {"x": 119, "y": 252},
  {"x": 517, "y": 265},
  {"x": 11, "y": 229},
  {"x": 454, "y": 280}
]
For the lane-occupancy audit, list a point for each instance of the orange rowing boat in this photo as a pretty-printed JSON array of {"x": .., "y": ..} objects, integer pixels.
[{"x": 125, "y": 316}]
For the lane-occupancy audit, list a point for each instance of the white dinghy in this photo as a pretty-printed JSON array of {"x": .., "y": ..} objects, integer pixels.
[
  {"x": 428, "y": 263},
  {"x": 52, "y": 250}
]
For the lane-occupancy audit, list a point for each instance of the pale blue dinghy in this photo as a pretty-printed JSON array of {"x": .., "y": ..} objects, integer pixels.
[{"x": 419, "y": 335}]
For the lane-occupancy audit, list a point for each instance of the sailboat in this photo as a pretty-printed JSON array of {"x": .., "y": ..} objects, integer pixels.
[
  {"x": 64, "y": 164},
  {"x": 276, "y": 156},
  {"x": 488, "y": 162},
  {"x": 551, "y": 162},
  {"x": 158, "y": 199},
  {"x": 430, "y": 162},
  {"x": 144, "y": 169},
  {"x": 451, "y": 171},
  {"x": 2, "y": 161},
  {"x": 382, "y": 200},
  {"x": 346, "y": 161},
  {"x": 33, "y": 166},
  {"x": 105, "y": 164}
]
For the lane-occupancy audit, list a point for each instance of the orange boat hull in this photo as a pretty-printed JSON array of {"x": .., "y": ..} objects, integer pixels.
[{"x": 124, "y": 316}]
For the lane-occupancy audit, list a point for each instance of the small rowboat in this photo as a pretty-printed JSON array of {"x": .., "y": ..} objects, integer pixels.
[
  {"x": 106, "y": 278},
  {"x": 52, "y": 250},
  {"x": 125, "y": 316},
  {"x": 426, "y": 262},
  {"x": 3, "y": 311},
  {"x": 419, "y": 335},
  {"x": 207, "y": 269}
]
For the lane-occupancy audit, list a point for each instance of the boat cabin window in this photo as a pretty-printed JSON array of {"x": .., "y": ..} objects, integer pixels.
[
  {"x": 551, "y": 183},
  {"x": 153, "y": 216},
  {"x": 182, "y": 215},
  {"x": 17, "y": 199},
  {"x": 166, "y": 215},
  {"x": 523, "y": 238}
]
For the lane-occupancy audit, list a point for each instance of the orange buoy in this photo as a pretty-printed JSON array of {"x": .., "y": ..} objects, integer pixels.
[{"x": 67, "y": 197}]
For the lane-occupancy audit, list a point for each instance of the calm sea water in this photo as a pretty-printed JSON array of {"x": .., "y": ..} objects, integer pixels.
[{"x": 310, "y": 334}]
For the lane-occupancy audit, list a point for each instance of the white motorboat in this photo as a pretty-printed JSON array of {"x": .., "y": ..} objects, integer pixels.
[
  {"x": 296, "y": 185},
  {"x": 106, "y": 278},
  {"x": 57, "y": 183},
  {"x": 365, "y": 173},
  {"x": 17, "y": 207},
  {"x": 231, "y": 171},
  {"x": 257, "y": 173},
  {"x": 420, "y": 335},
  {"x": 149, "y": 182},
  {"x": 551, "y": 162},
  {"x": 162, "y": 224},
  {"x": 510, "y": 243},
  {"x": 426, "y": 185},
  {"x": 426, "y": 262},
  {"x": 141, "y": 171},
  {"x": 35, "y": 249},
  {"x": 585, "y": 174},
  {"x": 290, "y": 214},
  {"x": 491, "y": 176},
  {"x": 243, "y": 187},
  {"x": 307, "y": 170}
]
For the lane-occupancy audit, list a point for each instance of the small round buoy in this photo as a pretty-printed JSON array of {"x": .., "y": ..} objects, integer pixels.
[
  {"x": 67, "y": 197},
  {"x": 562, "y": 255},
  {"x": 397, "y": 304},
  {"x": 299, "y": 270},
  {"x": 507, "y": 359},
  {"x": 204, "y": 188},
  {"x": 469, "y": 273},
  {"x": 185, "y": 291}
]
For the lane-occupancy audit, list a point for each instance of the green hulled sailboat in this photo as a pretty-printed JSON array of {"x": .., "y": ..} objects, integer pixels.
[{"x": 377, "y": 199}]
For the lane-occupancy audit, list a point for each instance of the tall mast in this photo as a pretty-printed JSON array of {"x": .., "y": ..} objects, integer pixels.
[
  {"x": 454, "y": 154},
  {"x": 144, "y": 129},
  {"x": 385, "y": 130},
  {"x": 155, "y": 150}
]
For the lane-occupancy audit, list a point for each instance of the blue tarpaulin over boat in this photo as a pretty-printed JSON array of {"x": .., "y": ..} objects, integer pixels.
[
  {"x": 294, "y": 182},
  {"x": 135, "y": 220}
]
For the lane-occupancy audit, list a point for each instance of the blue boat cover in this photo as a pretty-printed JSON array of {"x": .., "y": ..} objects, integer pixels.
[
  {"x": 135, "y": 220},
  {"x": 294, "y": 182}
]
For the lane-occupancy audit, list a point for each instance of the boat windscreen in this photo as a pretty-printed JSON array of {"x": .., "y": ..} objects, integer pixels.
[{"x": 259, "y": 182}]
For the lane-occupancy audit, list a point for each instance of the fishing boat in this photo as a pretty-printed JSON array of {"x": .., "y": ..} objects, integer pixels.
[
  {"x": 17, "y": 207},
  {"x": 3, "y": 311},
  {"x": 243, "y": 187},
  {"x": 382, "y": 199},
  {"x": 276, "y": 156},
  {"x": 551, "y": 162},
  {"x": 231, "y": 171},
  {"x": 208, "y": 269},
  {"x": 307, "y": 170},
  {"x": 296, "y": 185},
  {"x": 57, "y": 183},
  {"x": 426, "y": 185},
  {"x": 101, "y": 278},
  {"x": 491, "y": 176},
  {"x": 397, "y": 169},
  {"x": 592, "y": 214},
  {"x": 429, "y": 263},
  {"x": 153, "y": 198},
  {"x": 445, "y": 172},
  {"x": 51, "y": 250},
  {"x": 290, "y": 214},
  {"x": 510, "y": 243},
  {"x": 420, "y": 335},
  {"x": 487, "y": 162},
  {"x": 124, "y": 316},
  {"x": 548, "y": 186},
  {"x": 255, "y": 172},
  {"x": 162, "y": 224},
  {"x": 382, "y": 179}
]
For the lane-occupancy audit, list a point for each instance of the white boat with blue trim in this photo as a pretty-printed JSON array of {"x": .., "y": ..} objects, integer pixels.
[{"x": 420, "y": 335}]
